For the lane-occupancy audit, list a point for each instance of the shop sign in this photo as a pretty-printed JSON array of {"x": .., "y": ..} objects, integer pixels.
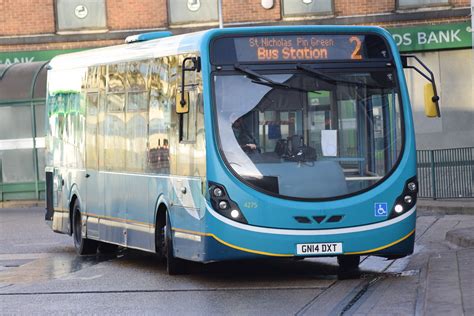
[
  {"x": 9, "y": 58},
  {"x": 433, "y": 37}
]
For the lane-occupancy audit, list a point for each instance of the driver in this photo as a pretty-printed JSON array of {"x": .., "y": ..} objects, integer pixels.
[{"x": 243, "y": 135}]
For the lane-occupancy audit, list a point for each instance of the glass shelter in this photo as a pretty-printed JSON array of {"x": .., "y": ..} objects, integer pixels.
[{"x": 22, "y": 103}]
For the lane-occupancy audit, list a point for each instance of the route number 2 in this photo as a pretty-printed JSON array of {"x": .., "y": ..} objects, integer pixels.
[{"x": 358, "y": 43}]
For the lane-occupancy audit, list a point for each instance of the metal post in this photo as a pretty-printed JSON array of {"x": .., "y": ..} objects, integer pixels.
[
  {"x": 433, "y": 175},
  {"x": 219, "y": 9},
  {"x": 33, "y": 129},
  {"x": 1, "y": 181}
]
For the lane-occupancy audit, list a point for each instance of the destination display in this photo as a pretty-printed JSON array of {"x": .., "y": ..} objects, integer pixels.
[{"x": 290, "y": 48}]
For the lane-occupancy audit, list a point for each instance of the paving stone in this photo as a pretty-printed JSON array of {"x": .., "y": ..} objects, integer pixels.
[
  {"x": 443, "y": 291},
  {"x": 466, "y": 279}
]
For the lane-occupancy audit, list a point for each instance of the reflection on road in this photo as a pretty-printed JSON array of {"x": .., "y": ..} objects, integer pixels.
[
  {"x": 35, "y": 268},
  {"x": 41, "y": 267}
]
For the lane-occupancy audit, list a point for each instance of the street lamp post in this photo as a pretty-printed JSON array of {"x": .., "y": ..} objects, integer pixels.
[{"x": 219, "y": 8}]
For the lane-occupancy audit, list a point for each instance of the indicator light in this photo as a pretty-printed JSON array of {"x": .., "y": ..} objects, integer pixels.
[
  {"x": 217, "y": 192},
  {"x": 223, "y": 205}
]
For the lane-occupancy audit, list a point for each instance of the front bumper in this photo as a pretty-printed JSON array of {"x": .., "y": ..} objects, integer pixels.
[{"x": 229, "y": 240}]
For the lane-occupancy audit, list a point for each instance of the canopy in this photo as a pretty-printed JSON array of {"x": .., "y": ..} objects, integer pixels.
[{"x": 22, "y": 81}]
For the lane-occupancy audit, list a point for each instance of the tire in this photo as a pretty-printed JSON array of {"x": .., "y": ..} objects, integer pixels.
[
  {"x": 348, "y": 267},
  {"x": 106, "y": 248},
  {"x": 82, "y": 245},
  {"x": 349, "y": 262},
  {"x": 174, "y": 266},
  {"x": 160, "y": 238}
]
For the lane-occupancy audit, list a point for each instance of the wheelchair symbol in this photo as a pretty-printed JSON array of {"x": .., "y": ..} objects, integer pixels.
[{"x": 380, "y": 209}]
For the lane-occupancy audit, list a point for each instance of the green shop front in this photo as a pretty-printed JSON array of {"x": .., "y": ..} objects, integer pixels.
[{"x": 447, "y": 50}]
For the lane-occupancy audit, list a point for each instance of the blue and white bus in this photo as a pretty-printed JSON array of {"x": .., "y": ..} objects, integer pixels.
[{"x": 235, "y": 143}]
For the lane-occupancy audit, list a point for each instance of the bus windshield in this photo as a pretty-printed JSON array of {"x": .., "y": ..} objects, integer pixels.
[{"x": 306, "y": 133}]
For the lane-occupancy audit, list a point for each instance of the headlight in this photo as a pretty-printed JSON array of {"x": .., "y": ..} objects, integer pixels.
[
  {"x": 407, "y": 200},
  {"x": 222, "y": 204}
]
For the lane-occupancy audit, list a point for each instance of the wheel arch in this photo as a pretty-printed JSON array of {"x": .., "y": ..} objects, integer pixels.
[
  {"x": 73, "y": 197},
  {"x": 161, "y": 207}
]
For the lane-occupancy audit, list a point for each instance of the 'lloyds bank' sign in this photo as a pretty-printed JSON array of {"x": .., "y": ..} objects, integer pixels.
[{"x": 433, "y": 37}]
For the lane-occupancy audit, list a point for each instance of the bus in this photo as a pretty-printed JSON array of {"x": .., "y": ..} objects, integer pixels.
[{"x": 236, "y": 143}]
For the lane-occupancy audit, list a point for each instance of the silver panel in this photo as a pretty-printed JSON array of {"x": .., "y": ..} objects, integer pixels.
[
  {"x": 187, "y": 11},
  {"x": 80, "y": 14},
  {"x": 420, "y": 3},
  {"x": 300, "y": 7}
]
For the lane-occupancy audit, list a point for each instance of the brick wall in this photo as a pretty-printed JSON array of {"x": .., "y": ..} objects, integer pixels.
[
  {"x": 248, "y": 11},
  {"x": 461, "y": 3},
  {"x": 33, "y": 17},
  {"x": 21, "y": 17},
  {"x": 363, "y": 7},
  {"x": 136, "y": 14}
]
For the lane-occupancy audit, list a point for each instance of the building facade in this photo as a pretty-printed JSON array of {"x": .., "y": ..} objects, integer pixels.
[
  {"x": 437, "y": 31},
  {"x": 50, "y": 25}
]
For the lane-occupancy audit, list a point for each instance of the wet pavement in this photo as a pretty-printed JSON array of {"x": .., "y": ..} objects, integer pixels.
[{"x": 40, "y": 273}]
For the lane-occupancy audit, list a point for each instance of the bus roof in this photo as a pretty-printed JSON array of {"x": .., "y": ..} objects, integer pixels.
[
  {"x": 184, "y": 43},
  {"x": 127, "y": 52}
]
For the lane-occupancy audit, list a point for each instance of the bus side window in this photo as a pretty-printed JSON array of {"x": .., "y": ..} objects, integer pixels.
[
  {"x": 136, "y": 116},
  {"x": 159, "y": 117},
  {"x": 91, "y": 130}
]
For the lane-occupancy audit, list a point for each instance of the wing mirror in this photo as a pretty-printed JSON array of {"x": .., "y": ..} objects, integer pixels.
[
  {"x": 182, "y": 100},
  {"x": 430, "y": 91},
  {"x": 431, "y": 101}
]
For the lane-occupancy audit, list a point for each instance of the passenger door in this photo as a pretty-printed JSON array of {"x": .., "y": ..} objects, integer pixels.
[{"x": 93, "y": 196}]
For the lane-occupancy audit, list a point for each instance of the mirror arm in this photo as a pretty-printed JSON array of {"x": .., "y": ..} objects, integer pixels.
[
  {"x": 195, "y": 67},
  {"x": 430, "y": 78},
  {"x": 420, "y": 72}
]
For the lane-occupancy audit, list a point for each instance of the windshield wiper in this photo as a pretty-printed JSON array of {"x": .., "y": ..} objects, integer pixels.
[
  {"x": 263, "y": 80},
  {"x": 259, "y": 77},
  {"x": 334, "y": 80}
]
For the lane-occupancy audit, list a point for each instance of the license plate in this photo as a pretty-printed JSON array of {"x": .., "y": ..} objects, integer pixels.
[{"x": 319, "y": 248}]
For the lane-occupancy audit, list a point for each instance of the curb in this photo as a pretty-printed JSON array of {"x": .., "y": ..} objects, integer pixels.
[
  {"x": 445, "y": 207},
  {"x": 23, "y": 204},
  {"x": 462, "y": 237}
]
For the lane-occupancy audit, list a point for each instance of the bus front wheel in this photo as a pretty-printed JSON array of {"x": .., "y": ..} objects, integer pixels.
[
  {"x": 174, "y": 266},
  {"x": 82, "y": 245}
]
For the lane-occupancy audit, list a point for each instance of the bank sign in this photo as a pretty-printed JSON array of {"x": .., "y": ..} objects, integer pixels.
[
  {"x": 9, "y": 58},
  {"x": 433, "y": 37}
]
